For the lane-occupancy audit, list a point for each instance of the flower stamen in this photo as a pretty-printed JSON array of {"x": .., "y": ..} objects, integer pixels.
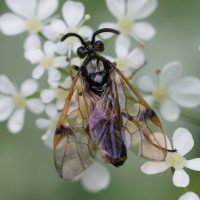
[
  {"x": 176, "y": 160},
  {"x": 87, "y": 17}
]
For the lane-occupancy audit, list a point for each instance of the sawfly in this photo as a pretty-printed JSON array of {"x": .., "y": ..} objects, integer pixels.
[{"x": 103, "y": 112}]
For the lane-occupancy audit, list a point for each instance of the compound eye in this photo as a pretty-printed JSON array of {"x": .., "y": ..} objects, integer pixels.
[
  {"x": 99, "y": 46},
  {"x": 82, "y": 52}
]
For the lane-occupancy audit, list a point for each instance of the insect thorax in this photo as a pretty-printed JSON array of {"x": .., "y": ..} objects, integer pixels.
[{"x": 96, "y": 70}]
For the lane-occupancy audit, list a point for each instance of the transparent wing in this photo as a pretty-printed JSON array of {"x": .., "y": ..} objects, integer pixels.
[
  {"x": 143, "y": 133},
  {"x": 105, "y": 123},
  {"x": 74, "y": 150}
]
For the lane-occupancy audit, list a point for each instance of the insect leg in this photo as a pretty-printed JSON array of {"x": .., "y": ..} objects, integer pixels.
[
  {"x": 71, "y": 72},
  {"x": 131, "y": 76}
]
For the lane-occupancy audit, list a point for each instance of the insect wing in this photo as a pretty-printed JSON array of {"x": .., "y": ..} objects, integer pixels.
[
  {"x": 105, "y": 123},
  {"x": 74, "y": 150},
  {"x": 143, "y": 133}
]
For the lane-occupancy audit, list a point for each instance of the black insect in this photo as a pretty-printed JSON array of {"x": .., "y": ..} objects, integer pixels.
[{"x": 103, "y": 111}]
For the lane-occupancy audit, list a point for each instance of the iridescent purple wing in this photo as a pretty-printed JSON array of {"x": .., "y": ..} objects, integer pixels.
[
  {"x": 105, "y": 123},
  {"x": 74, "y": 150},
  {"x": 143, "y": 133}
]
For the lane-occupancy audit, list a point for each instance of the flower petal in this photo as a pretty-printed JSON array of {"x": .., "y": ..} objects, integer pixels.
[
  {"x": 170, "y": 72},
  {"x": 53, "y": 84},
  {"x": 54, "y": 75},
  {"x": 35, "y": 105},
  {"x": 42, "y": 123},
  {"x": 180, "y": 178},
  {"x": 73, "y": 12},
  {"x": 48, "y": 138},
  {"x": 23, "y": 8},
  {"x": 148, "y": 99},
  {"x": 193, "y": 164},
  {"x": 140, "y": 9},
  {"x": 186, "y": 92},
  {"x": 34, "y": 54},
  {"x": 61, "y": 48},
  {"x": 48, "y": 33},
  {"x": 46, "y": 8},
  {"x": 28, "y": 87},
  {"x": 6, "y": 86},
  {"x": 12, "y": 24},
  {"x": 85, "y": 31},
  {"x": 106, "y": 25},
  {"x": 47, "y": 95},
  {"x": 51, "y": 110},
  {"x": 136, "y": 58},
  {"x": 6, "y": 107},
  {"x": 75, "y": 61},
  {"x": 49, "y": 48},
  {"x": 68, "y": 82},
  {"x": 58, "y": 26},
  {"x": 60, "y": 104},
  {"x": 154, "y": 168},
  {"x": 75, "y": 46},
  {"x": 116, "y": 7},
  {"x": 122, "y": 45},
  {"x": 95, "y": 178},
  {"x": 61, "y": 60},
  {"x": 16, "y": 122},
  {"x": 189, "y": 196},
  {"x": 31, "y": 42},
  {"x": 144, "y": 30},
  {"x": 169, "y": 110},
  {"x": 145, "y": 83},
  {"x": 183, "y": 141},
  {"x": 37, "y": 72}
]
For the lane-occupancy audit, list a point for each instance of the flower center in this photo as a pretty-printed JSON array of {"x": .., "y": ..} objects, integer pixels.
[
  {"x": 160, "y": 93},
  {"x": 34, "y": 24},
  {"x": 176, "y": 160},
  {"x": 48, "y": 62},
  {"x": 53, "y": 123},
  {"x": 122, "y": 63},
  {"x": 125, "y": 24},
  {"x": 72, "y": 39},
  {"x": 19, "y": 101},
  {"x": 60, "y": 93}
]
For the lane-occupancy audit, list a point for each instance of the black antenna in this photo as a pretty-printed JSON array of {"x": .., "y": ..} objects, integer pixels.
[
  {"x": 73, "y": 34},
  {"x": 103, "y": 30}
]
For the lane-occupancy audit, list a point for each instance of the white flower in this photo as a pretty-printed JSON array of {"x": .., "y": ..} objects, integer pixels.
[
  {"x": 183, "y": 143},
  {"x": 95, "y": 178},
  {"x": 60, "y": 94},
  {"x": 77, "y": 61},
  {"x": 171, "y": 91},
  {"x": 49, "y": 124},
  {"x": 127, "y": 61},
  {"x": 189, "y": 196},
  {"x": 46, "y": 60},
  {"x": 73, "y": 13},
  {"x": 13, "y": 102},
  {"x": 126, "y": 19},
  {"x": 30, "y": 16}
]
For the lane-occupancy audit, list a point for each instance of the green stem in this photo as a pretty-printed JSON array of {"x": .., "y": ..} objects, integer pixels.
[
  {"x": 65, "y": 72},
  {"x": 42, "y": 36},
  {"x": 36, "y": 94}
]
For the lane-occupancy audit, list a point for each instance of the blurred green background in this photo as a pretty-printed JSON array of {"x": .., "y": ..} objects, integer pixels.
[{"x": 26, "y": 166}]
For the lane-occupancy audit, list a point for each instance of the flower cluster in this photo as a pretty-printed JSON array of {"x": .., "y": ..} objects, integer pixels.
[
  {"x": 44, "y": 50},
  {"x": 170, "y": 91}
]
